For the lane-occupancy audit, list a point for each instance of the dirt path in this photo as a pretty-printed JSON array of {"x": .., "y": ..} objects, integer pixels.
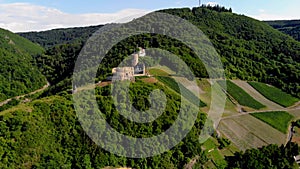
[
  {"x": 290, "y": 134},
  {"x": 18, "y": 97},
  {"x": 263, "y": 111},
  {"x": 295, "y": 108},
  {"x": 296, "y": 105},
  {"x": 191, "y": 85},
  {"x": 256, "y": 95}
]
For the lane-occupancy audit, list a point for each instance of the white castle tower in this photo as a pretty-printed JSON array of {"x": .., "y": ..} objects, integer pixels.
[
  {"x": 142, "y": 52},
  {"x": 135, "y": 59}
]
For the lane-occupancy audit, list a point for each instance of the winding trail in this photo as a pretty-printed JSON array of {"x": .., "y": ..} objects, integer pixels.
[{"x": 18, "y": 97}]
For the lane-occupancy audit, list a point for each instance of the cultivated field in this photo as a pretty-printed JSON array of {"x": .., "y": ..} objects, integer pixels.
[
  {"x": 205, "y": 96},
  {"x": 255, "y": 94},
  {"x": 279, "y": 120},
  {"x": 158, "y": 72},
  {"x": 161, "y": 69},
  {"x": 189, "y": 85},
  {"x": 240, "y": 95},
  {"x": 274, "y": 94},
  {"x": 179, "y": 88},
  {"x": 230, "y": 108},
  {"x": 149, "y": 80},
  {"x": 247, "y": 131},
  {"x": 253, "y": 129}
]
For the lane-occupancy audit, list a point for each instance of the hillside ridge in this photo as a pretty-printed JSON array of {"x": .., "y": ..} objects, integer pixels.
[{"x": 19, "y": 74}]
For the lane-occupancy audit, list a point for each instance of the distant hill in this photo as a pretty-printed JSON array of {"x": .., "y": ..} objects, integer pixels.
[
  {"x": 18, "y": 73},
  {"x": 54, "y": 37},
  {"x": 290, "y": 27}
]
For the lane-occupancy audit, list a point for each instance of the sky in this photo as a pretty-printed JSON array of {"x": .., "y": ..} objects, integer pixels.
[{"x": 38, "y": 15}]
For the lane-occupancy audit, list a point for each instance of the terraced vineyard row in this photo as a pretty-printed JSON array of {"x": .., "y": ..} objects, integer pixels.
[
  {"x": 279, "y": 120},
  {"x": 274, "y": 94},
  {"x": 240, "y": 95},
  {"x": 179, "y": 88}
]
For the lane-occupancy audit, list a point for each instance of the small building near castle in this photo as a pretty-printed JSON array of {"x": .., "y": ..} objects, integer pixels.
[{"x": 142, "y": 52}]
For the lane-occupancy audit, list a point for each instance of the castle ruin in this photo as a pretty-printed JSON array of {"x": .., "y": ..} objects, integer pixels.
[{"x": 129, "y": 73}]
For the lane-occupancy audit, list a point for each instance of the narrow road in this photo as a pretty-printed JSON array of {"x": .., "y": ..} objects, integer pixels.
[
  {"x": 260, "y": 111},
  {"x": 264, "y": 111},
  {"x": 292, "y": 108},
  {"x": 290, "y": 134},
  {"x": 296, "y": 105},
  {"x": 18, "y": 97}
]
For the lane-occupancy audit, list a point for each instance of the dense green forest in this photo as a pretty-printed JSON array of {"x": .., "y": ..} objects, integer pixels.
[
  {"x": 290, "y": 27},
  {"x": 51, "y": 135},
  {"x": 48, "y": 39},
  {"x": 270, "y": 156},
  {"x": 18, "y": 71}
]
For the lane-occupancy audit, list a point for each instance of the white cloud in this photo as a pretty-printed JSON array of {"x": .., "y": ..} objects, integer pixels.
[
  {"x": 267, "y": 15},
  {"x": 22, "y": 17},
  {"x": 212, "y": 3}
]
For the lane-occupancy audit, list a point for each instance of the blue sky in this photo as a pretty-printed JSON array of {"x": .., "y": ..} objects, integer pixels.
[
  {"x": 107, "y": 6},
  {"x": 26, "y": 15}
]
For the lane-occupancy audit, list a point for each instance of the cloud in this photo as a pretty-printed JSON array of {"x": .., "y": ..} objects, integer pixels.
[
  {"x": 22, "y": 17},
  {"x": 266, "y": 15},
  {"x": 212, "y": 3}
]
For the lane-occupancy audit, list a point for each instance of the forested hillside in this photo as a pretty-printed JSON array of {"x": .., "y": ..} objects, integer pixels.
[
  {"x": 54, "y": 37},
  {"x": 62, "y": 48},
  {"x": 250, "y": 49},
  {"x": 270, "y": 156},
  {"x": 290, "y": 27},
  {"x": 18, "y": 71},
  {"x": 47, "y": 134}
]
